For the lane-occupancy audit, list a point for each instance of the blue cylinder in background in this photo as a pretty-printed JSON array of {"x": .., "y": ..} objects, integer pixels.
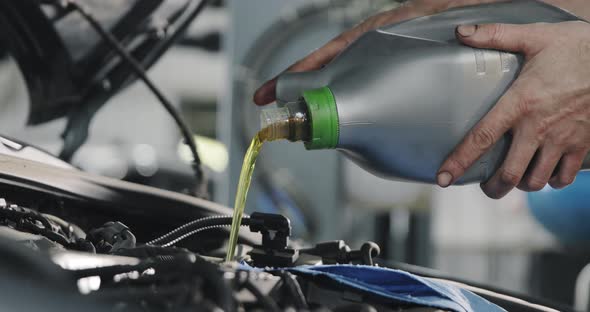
[{"x": 565, "y": 213}]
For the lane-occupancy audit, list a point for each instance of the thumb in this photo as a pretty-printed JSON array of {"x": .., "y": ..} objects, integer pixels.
[{"x": 505, "y": 37}]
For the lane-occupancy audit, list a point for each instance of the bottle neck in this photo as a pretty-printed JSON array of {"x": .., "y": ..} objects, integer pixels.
[
  {"x": 289, "y": 122},
  {"x": 313, "y": 119}
]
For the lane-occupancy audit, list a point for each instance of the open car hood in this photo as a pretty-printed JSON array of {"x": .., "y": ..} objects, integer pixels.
[{"x": 69, "y": 70}]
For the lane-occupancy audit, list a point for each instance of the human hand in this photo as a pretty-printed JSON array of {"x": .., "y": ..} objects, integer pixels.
[
  {"x": 411, "y": 9},
  {"x": 546, "y": 110}
]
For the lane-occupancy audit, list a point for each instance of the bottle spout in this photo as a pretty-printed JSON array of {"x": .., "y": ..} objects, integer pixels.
[
  {"x": 288, "y": 122},
  {"x": 313, "y": 119},
  {"x": 274, "y": 123}
]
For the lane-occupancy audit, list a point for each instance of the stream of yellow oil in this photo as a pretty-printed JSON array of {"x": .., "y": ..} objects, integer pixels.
[{"x": 242, "y": 192}]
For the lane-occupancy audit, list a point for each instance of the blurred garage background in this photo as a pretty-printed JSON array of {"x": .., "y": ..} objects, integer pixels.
[{"x": 211, "y": 75}]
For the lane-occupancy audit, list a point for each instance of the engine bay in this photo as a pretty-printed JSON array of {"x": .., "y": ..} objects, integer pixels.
[{"x": 69, "y": 234}]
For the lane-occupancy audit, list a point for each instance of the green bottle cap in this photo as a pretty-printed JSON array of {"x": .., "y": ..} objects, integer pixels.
[{"x": 321, "y": 107}]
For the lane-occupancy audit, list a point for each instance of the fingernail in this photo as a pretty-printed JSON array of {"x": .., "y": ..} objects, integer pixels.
[
  {"x": 466, "y": 30},
  {"x": 444, "y": 179}
]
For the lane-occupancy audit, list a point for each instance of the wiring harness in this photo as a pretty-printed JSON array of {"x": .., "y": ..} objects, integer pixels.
[{"x": 53, "y": 228}]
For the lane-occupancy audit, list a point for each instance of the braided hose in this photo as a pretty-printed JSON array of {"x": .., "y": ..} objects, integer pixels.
[{"x": 193, "y": 228}]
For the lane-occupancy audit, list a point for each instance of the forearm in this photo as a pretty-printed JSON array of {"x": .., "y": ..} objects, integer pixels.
[{"x": 581, "y": 8}]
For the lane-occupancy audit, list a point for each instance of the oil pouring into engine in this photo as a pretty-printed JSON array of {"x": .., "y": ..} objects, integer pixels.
[
  {"x": 312, "y": 119},
  {"x": 279, "y": 123}
]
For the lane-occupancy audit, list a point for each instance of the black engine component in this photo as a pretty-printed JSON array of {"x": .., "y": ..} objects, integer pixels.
[
  {"x": 275, "y": 230},
  {"x": 275, "y": 252},
  {"x": 112, "y": 237},
  {"x": 337, "y": 252}
]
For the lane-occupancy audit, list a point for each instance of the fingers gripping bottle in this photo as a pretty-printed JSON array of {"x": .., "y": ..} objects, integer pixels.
[{"x": 399, "y": 99}]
